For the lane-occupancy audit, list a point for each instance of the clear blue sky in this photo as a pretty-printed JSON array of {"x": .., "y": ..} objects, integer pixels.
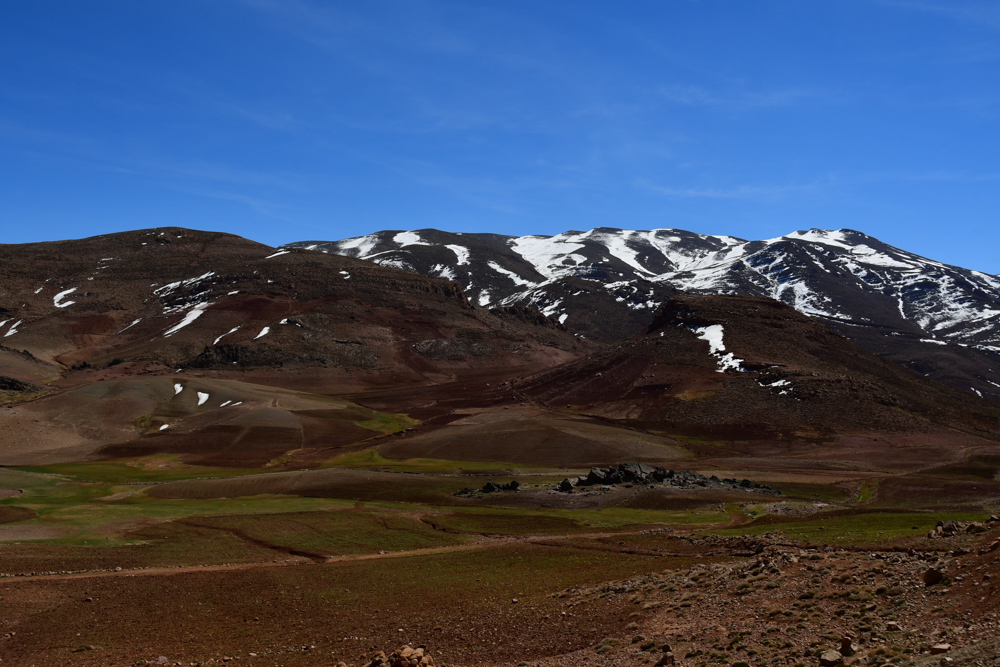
[{"x": 286, "y": 120}]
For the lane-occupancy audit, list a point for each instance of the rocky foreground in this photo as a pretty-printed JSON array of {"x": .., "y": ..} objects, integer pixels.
[
  {"x": 933, "y": 603},
  {"x": 789, "y": 605}
]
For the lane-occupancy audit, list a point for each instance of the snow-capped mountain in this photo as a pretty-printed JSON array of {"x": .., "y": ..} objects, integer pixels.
[{"x": 606, "y": 283}]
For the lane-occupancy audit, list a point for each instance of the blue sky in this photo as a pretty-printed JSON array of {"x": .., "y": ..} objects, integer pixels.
[{"x": 286, "y": 120}]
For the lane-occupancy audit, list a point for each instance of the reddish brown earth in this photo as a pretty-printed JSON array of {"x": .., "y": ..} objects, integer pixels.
[{"x": 372, "y": 362}]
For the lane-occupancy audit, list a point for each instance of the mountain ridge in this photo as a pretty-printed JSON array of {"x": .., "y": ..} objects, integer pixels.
[{"x": 606, "y": 283}]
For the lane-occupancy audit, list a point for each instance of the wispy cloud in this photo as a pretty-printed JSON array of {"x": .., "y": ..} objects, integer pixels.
[
  {"x": 743, "y": 192},
  {"x": 826, "y": 183},
  {"x": 693, "y": 95},
  {"x": 981, "y": 14}
]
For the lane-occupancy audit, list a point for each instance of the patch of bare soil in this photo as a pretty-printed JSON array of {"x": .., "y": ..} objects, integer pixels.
[
  {"x": 531, "y": 436},
  {"x": 10, "y": 514}
]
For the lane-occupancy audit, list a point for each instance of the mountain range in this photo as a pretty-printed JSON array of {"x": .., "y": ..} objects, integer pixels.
[{"x": 606, "y": 284}]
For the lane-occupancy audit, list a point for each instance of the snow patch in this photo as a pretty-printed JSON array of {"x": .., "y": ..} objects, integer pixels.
[
  {"x": 409, "y": 238},
  {"x": 178, "y": 388},
  {"x": 57, "y": 300},
  {"x": 164, "y": 427},
  {"x": 931, "y": 340},
  {"x": 443, "y": 271},
  {"x": 461, "y": 253},
  {"x": 189, "y": 317},
  {"x": 278, "y": 254},
  {"x": 170, "y": 287},
  {"x": 263, "y": 332},
  {"x": 360, "y": 245},
  {"x": 13, "y": 329},
  {"x": 202, "y": 397},
  {"x": 713, "y": 334}
]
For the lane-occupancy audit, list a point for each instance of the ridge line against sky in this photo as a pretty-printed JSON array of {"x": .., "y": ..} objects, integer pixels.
[{"x": 294, "y": 120}]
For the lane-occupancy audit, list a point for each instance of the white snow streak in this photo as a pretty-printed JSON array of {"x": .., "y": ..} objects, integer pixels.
[
  {"x": 233, "y": 330},
  {"x": 202, "y": 397},
  {"x": 129, "y": 326},
  {"x": 190, "y": 317},
  {"x": 518, "y": 280},
  {"x": 263, "y": 332}
]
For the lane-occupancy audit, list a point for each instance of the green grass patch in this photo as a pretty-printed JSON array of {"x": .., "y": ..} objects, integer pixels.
[
  {"x": 501, "y": 522},
  {"x": 517, "y": 521},
  {"x": 866, "y": 492},
  {"x": 154, "y": 468},
  {"x": 334, "y": 533},
  {"x": 853, "y": 528},
  {"x": 387, "y": 422},
  {"x": 373, "y": 459},
  {"x": 826, "y": 493},
  {"x": 98, "y": 512}
]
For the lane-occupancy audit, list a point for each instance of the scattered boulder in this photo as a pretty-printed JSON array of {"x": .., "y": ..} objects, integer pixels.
[
  {"x": 404, "y": 656},
  {"x": 667, "y": 659},
  {"x": 378, "y": 660},
  {"x": 893, "y": 626},
  {"x": 641, "y": 473},
  {"x": 565, "y": 486},
  {"x": 408, "y": 656},
  {"x": 490, "y": 487},
  {"x": 830, "y": 658},
  {"x": 938, "y": 649},
  {"x": 932, "y": 576},
  {"x": 848, "y": 647}
]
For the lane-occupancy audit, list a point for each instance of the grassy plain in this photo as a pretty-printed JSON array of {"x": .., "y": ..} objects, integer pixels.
[{"x": 365, "y": 553}]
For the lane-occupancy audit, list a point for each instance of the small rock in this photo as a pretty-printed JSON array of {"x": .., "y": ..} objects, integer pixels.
[
  {"x": 162, "y": 660},
  {"x": 893, "y": 626},
  {"x": 938, "y": 649},
  {"x": 565, "y": 486}
]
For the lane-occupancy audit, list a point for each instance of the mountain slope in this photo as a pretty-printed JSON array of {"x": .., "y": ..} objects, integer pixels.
[
  {"x": 110, "y": 339},
  {"x": 747, "y": 366},
  {"x": 942, "y": 321}
]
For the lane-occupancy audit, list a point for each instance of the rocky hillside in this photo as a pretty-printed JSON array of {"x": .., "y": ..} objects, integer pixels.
[
  {"x": 176, "y": 298},
  {"x": 942, "y": 321},
  {"x": 746, "y": 367}
]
